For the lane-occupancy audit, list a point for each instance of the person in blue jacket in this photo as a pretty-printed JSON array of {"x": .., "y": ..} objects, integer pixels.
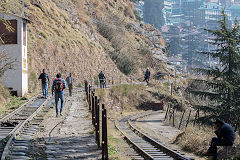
[
  {"x": 59, "y": 84},
  {"x": 225, "y": 137}
]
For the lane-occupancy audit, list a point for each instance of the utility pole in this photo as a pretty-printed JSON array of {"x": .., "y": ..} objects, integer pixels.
[{"x": 22, "y": 8}]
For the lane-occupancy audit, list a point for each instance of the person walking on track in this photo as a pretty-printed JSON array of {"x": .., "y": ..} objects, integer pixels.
[
  {"x": 70, "y": 83},
  {"x": 102, "y": 78},
  {"x": 225, "y": 137},
  {"x": 58, "y": 86},
  {"x": 45, "y": 81},
  {"x": 147, "y": 75}
]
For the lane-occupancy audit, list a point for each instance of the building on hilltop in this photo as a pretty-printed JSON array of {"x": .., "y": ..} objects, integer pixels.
[
  {"x": 235, "y": 11},
  {"x": 172, "y": 13},
  {"x": 15, "y": 46},
  {"x": 189, "y": 8},
  {"x": 209, "y": 13},
  {"x": 225, "y": 3}
]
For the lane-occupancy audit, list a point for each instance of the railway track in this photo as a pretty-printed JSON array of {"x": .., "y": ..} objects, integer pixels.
[
  {"x": 18, "y": 127},
  {"x": 146, "y": 147}
]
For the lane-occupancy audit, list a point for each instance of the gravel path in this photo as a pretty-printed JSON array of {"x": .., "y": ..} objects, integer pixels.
[{"x": 71, "y": 135}]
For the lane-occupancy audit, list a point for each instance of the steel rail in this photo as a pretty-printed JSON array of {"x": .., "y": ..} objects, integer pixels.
[
  {"x": 19, "y": 127},
  {"x": 158, "y": 144},
  {"x": 168, "y": 151},
  {"x": 11, "y": 114},
  {"x": 136, "y": 147},
  {"x": 8, "y": 116}
]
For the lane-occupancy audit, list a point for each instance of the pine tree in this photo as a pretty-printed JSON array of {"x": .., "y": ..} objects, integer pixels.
[{"x": 218, "y": 94}]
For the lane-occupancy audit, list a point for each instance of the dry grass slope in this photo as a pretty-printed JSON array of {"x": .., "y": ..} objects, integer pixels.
[{"x": 65, "y": 37}]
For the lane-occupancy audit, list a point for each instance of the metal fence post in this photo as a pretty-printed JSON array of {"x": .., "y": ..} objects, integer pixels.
[
  {"x": 174, "y": 117},
  {"x": 104, "y": 134},
  {"x": 166, "y": 113},
  {"x": 188, "y": 118},
  {"x": 103, "y": 147},
  {"x": 105, "y": 83},
  {"x": 86, "y": 88},
  {"x": 195, "y": 119},
  {"x": 181, "y": 120},
  {"x": 93, "y": 107},
  {"x": 89, "y": 99},
  {"x": 170, "y": 116},
  {"x": 97, "y": 121}
]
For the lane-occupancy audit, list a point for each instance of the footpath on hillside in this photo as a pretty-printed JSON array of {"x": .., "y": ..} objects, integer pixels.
[{"x": 69, "y": 136}]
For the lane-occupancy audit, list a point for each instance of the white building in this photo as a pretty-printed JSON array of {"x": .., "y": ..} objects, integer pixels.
[
  {"x": 15, "y": 47},
  {"x": 210, "y": 13}
]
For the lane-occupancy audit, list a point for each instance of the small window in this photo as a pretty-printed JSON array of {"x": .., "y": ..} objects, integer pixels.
[
  {"x": 9, "y": 36},
  {"x": 24, "y": 34}
]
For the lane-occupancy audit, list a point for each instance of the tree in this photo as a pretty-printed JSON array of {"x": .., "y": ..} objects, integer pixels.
[{"x": 219, "y": 91}]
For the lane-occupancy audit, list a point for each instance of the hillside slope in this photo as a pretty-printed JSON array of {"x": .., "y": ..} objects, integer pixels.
[{"x": 87, "y": 36}]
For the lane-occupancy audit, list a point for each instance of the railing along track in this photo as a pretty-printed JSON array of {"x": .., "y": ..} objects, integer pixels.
[{"x": 146, "y": 146}]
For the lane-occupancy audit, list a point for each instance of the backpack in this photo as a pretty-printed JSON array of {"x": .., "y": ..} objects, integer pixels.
[{"x": 58, "y": 85}]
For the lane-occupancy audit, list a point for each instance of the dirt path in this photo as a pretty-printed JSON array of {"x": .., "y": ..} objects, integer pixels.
[
  {"x": 71, "y": 135},
  {"x": 153, "y": 125}
]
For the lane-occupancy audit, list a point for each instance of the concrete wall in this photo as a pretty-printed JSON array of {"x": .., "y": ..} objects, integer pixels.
[
  {"x": 16, "y": 78},
  {"x": 24, "y": 67}
]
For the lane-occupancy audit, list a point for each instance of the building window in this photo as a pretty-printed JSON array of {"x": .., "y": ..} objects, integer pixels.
[
  {"x": 24, "y": 34},
  {"x": 9, "y": 36}
]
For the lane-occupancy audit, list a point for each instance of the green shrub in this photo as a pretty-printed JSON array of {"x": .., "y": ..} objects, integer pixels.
[
  {"x": 112, "y": 150},
  {"x": 15, "y": 102},
  {"x": 144, "y": 51},
  {"x": 167, "y": 85},
  {"x": 96, "y": 80},
  {"x": 137, "y": 15},
  {"x": 105, "y": 30},
  {"x": 80, "y": 85},
  {"x": 123, "y": 62},
  {"x": 125, "y": 65},
  {"x": 124, "y": 89},
  {"x": 4, "y": 92},
  {"x": 33, "y": 78}
]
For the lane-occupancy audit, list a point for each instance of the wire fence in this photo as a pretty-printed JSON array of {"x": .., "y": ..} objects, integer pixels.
[{"x": 184, "y": 118}]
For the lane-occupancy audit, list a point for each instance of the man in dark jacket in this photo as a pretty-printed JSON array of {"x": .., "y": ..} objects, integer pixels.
[
  {"x": 147, "y": 75},
  {"x": 225, "y": 137},
  {"x": 102, "y": 78},
  {"x": 59, "y": 84},
  {"x": 45, "y": 80}
]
